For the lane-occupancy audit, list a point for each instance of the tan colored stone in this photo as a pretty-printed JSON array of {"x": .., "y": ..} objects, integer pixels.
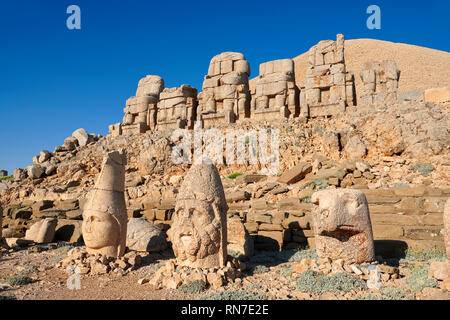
[
  {"x": 199, "y": 229},
  {"x": 105, "y": 217},
  {"x": 342, "y": 226},
  {"x": 42, "y": 231},
  {"x": 295, "y": 174},
  {"x": 238, "y": 237}
]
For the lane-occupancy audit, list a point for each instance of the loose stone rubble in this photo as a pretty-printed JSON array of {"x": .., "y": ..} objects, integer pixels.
[
  {"x": 275, "y": 94},
  {"x": 328, "y": 88},
  {"x": 226, "y": 96},
  {"x": 342, "y": 226},
  {"x": 380, "y": 80},
  {"x": 104, "y": 216},
  {"x": 98, "y": 264}
]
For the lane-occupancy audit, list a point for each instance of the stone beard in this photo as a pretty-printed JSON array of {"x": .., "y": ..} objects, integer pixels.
[{"x": 198, "y": 232}]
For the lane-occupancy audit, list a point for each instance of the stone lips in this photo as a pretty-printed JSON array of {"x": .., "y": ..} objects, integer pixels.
[
  {"x": 342, "y": 226},
  {"x": 199, "y": 229}
]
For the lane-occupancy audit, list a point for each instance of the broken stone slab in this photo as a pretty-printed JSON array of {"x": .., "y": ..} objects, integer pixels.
[
  {"x": 42, "y": 231},
  {"x": 18, "y": 242},
  {"x": 145, "y": 236},
  {"x": 3, "y": 173},
  {"x": 295, "y": 174},
  {"x": 239, "y": 240},
  {"x": 238, "y": 196}
]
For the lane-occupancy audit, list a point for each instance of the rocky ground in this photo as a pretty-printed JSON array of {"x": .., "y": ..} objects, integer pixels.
[{"x": 31, "y": 273}]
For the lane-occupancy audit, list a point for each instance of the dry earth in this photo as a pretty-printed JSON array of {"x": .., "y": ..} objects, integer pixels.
[{"x": 273, "y": 280}]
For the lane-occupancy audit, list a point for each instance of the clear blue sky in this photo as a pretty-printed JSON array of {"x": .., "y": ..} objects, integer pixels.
[{"x": 54, "y": 80}]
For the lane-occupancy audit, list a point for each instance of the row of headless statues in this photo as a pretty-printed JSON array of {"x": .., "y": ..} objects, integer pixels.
[{"x": 226, "y": 95}]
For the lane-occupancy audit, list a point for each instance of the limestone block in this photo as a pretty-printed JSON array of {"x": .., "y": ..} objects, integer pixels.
[
  {"x": 145, "y": 236},
  {"x": 42, "y": 231},
  {"x": 238, "y": 238}
]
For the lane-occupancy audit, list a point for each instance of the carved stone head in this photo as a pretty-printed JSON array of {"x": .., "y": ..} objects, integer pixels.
[
  {"x": 199, "y": 229},
  {"x": 342, "y": 226},
  {"x": 105, "y": 216}
]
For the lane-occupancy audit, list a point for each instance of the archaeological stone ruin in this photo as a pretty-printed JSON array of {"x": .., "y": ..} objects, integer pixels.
[
  {"x": 328, "y": 88},
  {"x": 380, "y": 80},
  {"x": 141, "y": 110},
  {"x": 360, "y": 197},
  {"x": 177, "y": 108},
  {"x": 226, "y": 96},
  {"x": 275, "y": 94}
]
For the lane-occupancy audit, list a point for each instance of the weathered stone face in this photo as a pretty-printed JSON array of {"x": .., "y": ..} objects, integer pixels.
[
  {"x": 342, "y": 226},
  {"x": 104, "y": 218},
  {"x": 198, "y": 233}
]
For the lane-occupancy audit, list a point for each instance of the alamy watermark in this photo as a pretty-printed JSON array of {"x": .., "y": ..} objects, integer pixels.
[
  {"x": 73, "y": 22},
  {"x": 74, "y": 280},
  {"x": 237, "y": 146},
  {"x": 374, "y": 20}
]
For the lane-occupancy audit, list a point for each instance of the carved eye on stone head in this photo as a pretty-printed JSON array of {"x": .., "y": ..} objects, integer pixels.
[{"x": 325, "y": 212}]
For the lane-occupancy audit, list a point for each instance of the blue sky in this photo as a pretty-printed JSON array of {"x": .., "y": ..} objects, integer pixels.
[{"x": 54, "y": 80}]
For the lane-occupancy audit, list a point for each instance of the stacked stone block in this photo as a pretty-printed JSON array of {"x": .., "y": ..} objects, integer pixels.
[
  {"x": 177, "y": 108},
  {"x": 226, "y": 96},
  {"x": 140, "y": 110},
  {"x": 275, "y": 94},
  {"x": 328, "y": 88},
  {"x": 380, "y": 82}
]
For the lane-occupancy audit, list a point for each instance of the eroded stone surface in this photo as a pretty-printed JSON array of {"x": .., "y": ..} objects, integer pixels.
[
  {"x": 199, "y": 229},
  {"x": 380, "y": 82},
  {"x": 140, "y": 110},
  {"x": 225, "y": 96},
  {"x": 342, "y": 226},
  {"x": 275, "y": 94},
  {"x": 328, "y": 88},
  {"x": 105, "y": 217},
  {"x": 42, "y": 231},
  {"x": 177, "y": 108}
]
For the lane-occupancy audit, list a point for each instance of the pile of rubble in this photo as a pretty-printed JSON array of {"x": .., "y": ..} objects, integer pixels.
[
  {"x": 172, "y": 276},
  {"x": 96, "y": 264}
]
